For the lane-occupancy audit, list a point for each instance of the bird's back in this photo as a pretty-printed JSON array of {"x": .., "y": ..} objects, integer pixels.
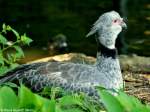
[{"x": 69, "y": 76}]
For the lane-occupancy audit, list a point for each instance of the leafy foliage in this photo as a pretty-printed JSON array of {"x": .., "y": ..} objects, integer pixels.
[
  {"x": 121, "y": 102},
  {"x": 10, "y": 51},
  {"x": 27, "y": 100}
]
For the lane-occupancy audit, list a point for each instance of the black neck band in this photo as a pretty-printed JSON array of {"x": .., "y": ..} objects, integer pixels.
[{"x": 106, "y": 52}]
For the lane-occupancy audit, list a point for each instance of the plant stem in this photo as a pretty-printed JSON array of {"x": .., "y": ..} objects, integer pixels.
[{"x": 10, "y": 46}]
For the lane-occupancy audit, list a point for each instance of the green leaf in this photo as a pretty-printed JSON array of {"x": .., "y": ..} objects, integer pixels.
[
  {"x": 4, "y": 28},
  {"x": 26, "y": 98},
  {"x": 19, "y": 53},
  {"x": 54, "y": 92},
  {"x": 1, "y": 59},
  {"x": 70, "y": 100},
  {"x": 25, "y": 39},
  {"x": 3, "y": 70},
  {"x": 130, "y": 103},
  {"x": 13, "y": 65},
  {"x": 126, "y": 101},
  {"x": 16, "y": 33},
  {"x": 8, "y": 99},
  {"x": 73, "y": 110},
  {"x": 110, "y": 102},
  {"x": 45, "y": 105},
  {"x": 29, "y": 100},
  {"x": 10, "y": 58},
  {"x": 40, "y": 101},
  {"x": 3, "y": 40},
  {"x": 49, "y": 106},
  {"x": 8, "y": 28}
]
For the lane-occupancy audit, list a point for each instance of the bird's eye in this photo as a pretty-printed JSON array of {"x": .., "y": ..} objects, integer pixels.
[{"x": 115, "y": 20}]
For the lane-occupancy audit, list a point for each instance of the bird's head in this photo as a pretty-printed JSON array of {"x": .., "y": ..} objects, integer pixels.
[{"x": 108, "y": 26}]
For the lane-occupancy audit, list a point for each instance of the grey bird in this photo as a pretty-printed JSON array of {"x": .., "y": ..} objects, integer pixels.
[{"x": 79, "y": 77}]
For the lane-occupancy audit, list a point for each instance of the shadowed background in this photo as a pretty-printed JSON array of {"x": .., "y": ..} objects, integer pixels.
[{"x": 42, "y": 20}]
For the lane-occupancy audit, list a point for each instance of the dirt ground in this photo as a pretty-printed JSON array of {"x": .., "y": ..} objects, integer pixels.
[
  {"x": 135, "y": 69},
  {"x": 138, "y": 84}
]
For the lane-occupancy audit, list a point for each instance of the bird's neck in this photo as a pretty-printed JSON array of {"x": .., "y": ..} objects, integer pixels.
[
  {"x": 108, "y": 39},
  {"x": 108, "y": 64},
  {"x": 105, "y": 54}
]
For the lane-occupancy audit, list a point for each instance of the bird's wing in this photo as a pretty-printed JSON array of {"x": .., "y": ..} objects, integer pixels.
[{"x": 69, "y": 76}]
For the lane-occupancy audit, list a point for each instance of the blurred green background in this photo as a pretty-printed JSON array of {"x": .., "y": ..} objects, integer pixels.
[{"x": 44, "y": 19}]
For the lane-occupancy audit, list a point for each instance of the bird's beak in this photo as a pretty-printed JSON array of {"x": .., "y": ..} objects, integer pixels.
[{"x": 123, "y": 24}]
